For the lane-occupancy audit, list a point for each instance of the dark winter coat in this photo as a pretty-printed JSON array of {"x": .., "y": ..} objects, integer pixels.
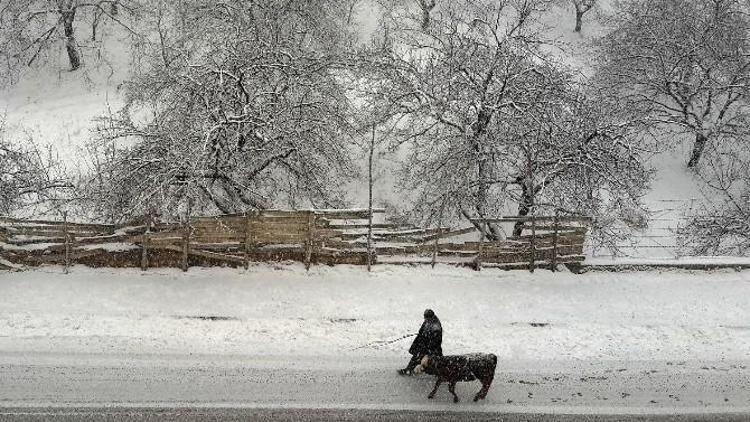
[{"x": 429, "y": 340}]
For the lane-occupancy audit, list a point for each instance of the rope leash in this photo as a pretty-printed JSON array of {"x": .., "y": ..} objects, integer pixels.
[{"x": 380, "y": 343}]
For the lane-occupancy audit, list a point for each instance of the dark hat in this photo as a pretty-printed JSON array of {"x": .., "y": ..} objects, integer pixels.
[{"x": 429, "y": 314}]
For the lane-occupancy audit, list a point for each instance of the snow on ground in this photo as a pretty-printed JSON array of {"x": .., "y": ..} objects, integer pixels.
[
  {"x": 57, "y": 108},
  {"x": 723, "y": 261},
  {"x": 279, "y": 310},
  {"x": 674, "y": 194}
]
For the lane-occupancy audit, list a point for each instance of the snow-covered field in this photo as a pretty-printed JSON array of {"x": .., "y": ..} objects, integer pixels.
[{"x": 332, "y": 311}]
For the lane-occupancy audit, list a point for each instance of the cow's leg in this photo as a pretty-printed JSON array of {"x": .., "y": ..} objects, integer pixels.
[
  {"x": 434, "y": 390},
  {"x": 487, "y": 387},
  {"x": 481, "y": 392},
  {"x": 486, "y": 383},
  {"x": 452, "y": 389}
]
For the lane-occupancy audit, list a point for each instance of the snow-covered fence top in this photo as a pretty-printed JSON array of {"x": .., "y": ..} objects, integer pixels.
[
  {"x": 309, "y": 236},
  {"x": 22, "y": 232}
]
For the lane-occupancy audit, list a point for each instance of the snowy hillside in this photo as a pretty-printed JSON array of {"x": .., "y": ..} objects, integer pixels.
[{"x": 57, "y": 107}]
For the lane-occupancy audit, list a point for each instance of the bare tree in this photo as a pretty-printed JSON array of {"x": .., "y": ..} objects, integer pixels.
[
  {"x": 246, "y": 107},
  {"x": 574, "y": 159},
  {"x": 582, "y": 7},
  {"x": 31, "y": 28},
  {"x": 28, "y": 177},
  {"x": 721, "y": 225},
  {"x": 680, "y": 67},
  {"x": 479, "y": 104}
]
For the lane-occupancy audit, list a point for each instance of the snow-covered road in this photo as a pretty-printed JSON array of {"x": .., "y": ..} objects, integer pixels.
[{"x": 639, "y": 387}]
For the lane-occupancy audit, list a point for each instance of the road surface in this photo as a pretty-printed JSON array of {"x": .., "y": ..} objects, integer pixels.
[
  {"x": 77, "y": 387},
  {"x": 325, "y": 415}
]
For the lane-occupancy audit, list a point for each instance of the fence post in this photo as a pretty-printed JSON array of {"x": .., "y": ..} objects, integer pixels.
[
  {"x": 439, "y": 233},
  {"x": 532, "y": 257},
  {"x": 145, "y": 242},
  {"x": 478, "y": 263},
  {"x": 67, "y": 242},
  {"x": 247, "y": 241},
  {"x": 185, "y": 243},
  {"x": 308, "y": 242},
  {"x": 437, "y": 245},
  {"x": 554, "y": 241},
  {"x": 369, "y": 234}
]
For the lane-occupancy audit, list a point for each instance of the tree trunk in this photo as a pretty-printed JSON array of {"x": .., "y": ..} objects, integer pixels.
[
  {"x": 483, "y": 199},
  {"x": 483, "y": 189},
  {"x": 95, "y": 24},
  {"x": 425, "y": 19},
  {"x": 579, "y": 20},
  {"x": 698, "y": 147},
  {"x": 484, "y": 167},
  {"x": 426, "y": 6},
  {"x": 524, "y": 207},
  {"x": 68, "y": 17}
]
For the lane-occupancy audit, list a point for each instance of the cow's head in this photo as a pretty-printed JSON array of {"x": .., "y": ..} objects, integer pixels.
[{"x": 423, "y": 364}]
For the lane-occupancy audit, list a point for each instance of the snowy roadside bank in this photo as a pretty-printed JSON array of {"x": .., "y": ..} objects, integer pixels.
[{"x": 332, "y": 311}]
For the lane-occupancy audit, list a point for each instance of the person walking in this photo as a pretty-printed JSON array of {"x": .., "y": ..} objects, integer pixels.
[{"x": 428, "y": 342}]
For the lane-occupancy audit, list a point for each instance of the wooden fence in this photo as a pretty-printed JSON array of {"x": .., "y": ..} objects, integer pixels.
[{"x": 310, "y": 236}]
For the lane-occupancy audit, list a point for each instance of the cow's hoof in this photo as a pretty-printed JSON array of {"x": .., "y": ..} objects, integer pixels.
[
  {"x": 431, "y": 396},
  {"x": 476, "y": 398},
  {"x": 455, "y": 399}
]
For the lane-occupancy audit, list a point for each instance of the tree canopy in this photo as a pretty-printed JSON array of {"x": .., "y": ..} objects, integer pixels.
[{"x": 237, "y": 106}]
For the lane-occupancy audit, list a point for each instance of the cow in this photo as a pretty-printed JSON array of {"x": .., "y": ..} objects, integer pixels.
[{"x": 452, "y": 369}]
